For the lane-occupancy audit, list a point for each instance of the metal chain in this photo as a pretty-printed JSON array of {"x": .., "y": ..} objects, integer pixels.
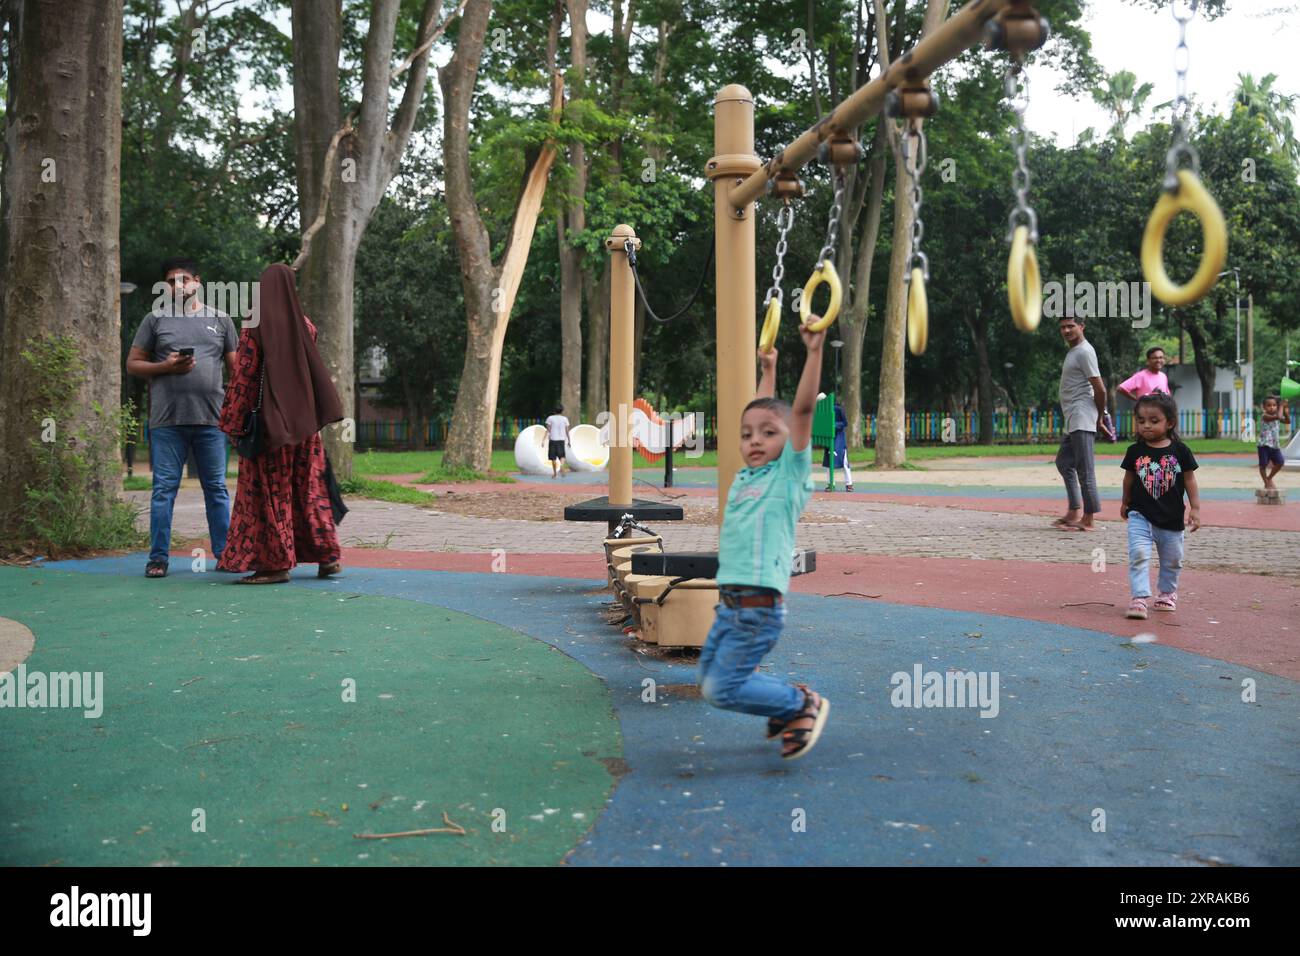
[
  {"x": 833, "y": 225},
  {"x": 1016, "y": 84},
  {"x": 915, "y": 171},
  {"x": 1182, "y": 104},
  {"x": 778, "y": 271},
  {"x": 629, "y": 248}
]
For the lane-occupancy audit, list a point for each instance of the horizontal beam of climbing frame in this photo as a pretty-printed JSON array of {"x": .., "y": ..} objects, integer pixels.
[{"x": 948, "y": 42}]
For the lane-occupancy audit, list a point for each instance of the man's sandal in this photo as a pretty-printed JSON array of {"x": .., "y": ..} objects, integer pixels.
[
  {"x": 329, "y": 568},
  {"x": 799, "y": 740},
  {"x": 155, "y": 569},
  {"x": 265, "y": 577}
]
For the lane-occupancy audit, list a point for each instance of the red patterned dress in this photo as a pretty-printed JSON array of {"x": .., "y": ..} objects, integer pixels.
[{"x": 281, "y": 516}]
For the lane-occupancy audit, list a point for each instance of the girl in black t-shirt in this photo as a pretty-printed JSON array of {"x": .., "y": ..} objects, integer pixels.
[{"x": 1158, "y": 471}]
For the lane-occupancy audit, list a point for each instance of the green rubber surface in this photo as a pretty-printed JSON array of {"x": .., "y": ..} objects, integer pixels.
[{"x": 230, "y": 699}]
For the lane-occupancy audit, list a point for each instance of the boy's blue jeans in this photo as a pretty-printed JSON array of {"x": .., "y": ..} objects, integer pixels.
[
  {"x": 1169, "y": 545},
  {"x": 738, "y": 641},
  {"x": 169, "y": 447}
]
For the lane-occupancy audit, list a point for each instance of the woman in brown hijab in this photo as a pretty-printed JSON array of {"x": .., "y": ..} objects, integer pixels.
[{"x": 282, "y": 513}]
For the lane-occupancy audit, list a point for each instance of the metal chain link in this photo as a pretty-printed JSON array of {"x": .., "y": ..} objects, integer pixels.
[
  {"x": 833, "y": 225},
  {"x": 915, "y": 171},
  {"x": 1182, "y": 104},
  {"x": 778, "y": 271},
  {"x": 1016, "y": 85}
]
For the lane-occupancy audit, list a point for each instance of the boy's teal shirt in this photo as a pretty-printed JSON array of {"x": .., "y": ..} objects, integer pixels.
[{"x": 757, "y": 542}]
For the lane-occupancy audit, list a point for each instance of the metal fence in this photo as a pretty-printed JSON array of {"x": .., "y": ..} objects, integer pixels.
[{"x": 1010, "y": 427}]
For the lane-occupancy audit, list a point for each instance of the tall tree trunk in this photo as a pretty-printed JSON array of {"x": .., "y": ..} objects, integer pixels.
[
  {"x": 598, "y": 296},
  {"x": 638, "y": 334},
  {"x": 891, "y": 430},
  {"x": 596, "y": 292},
  {"x": 489, "y": 291},
  {"x": 572, "y": 220},
  {"x": 854, "y": 318},
  {"x": 59, "y": 241},
  {"x": 1204, "y": 369},
  {"x": 657, "y": 152},
  {"x": 979, "y": 333},
  {"x": 365, "y": 162},
  {"x": 810, "y": 49}
]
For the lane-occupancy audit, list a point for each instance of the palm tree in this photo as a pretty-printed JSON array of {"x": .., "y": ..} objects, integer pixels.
[
  {"x": 1122, "y": 98},
  {"x": 1260, "y": 99}
]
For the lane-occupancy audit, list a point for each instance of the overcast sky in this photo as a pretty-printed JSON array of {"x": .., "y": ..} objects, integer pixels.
[{"x": 1255, "y": 36}]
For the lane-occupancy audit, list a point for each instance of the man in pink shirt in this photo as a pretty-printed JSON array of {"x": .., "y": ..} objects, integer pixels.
[{"x": 1147, "y": 380}]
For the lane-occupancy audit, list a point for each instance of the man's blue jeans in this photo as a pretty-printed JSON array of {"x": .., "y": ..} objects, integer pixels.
[
  {"x": 169, "y": 448},
  {"x": 738, "y": 641},
  {"x": 1169, "y": 545}
]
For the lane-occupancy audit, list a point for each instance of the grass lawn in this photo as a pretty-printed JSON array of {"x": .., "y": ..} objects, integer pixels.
[
  {"x": 376, "y": 464},
  {"x": 361, "y": 487}
]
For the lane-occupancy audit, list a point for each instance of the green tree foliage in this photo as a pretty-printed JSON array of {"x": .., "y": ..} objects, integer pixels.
[{"x": 203, "y": 178}]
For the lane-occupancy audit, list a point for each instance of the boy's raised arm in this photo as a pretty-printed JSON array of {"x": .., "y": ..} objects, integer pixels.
[{"x": 805, "y": 399}]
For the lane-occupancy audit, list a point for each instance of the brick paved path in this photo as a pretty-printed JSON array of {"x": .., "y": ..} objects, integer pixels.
[{"x": 872, "y": 528}]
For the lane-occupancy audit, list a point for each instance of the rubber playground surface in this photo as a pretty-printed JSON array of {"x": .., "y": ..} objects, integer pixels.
[
  {"x": 286, "y": 725},
  {"x": 503, "y": 698}
]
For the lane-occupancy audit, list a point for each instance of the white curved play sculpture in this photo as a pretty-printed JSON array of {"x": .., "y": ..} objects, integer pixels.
[
  {"x": 649, "y": 434},
  {"x": 530, "y": 451},
  {"x": 587, "y": 452}
]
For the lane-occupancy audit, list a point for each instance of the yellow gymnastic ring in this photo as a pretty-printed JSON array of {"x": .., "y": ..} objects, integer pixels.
[
  {"x": 771, "y": 323},
  {"x": 918, "y": 313},
  {"x": 1192, "y": 197},
  {"x": 1024, "y": 284},
  {"x": 826, "y": 273}
]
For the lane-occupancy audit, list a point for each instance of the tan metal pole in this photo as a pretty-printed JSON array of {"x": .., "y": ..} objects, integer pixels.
[
  {"x": 733, "y": 144},
  {"x": 622, "y": 301},
  {"x": 963, "y": 31}
]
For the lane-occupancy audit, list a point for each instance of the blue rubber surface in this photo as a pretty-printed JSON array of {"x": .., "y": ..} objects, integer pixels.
[{"x": 1157, "y": 738}]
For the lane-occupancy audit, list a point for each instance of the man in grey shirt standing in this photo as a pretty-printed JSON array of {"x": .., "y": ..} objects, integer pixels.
[
  {"x": 181, "y": 351},
  {"x": 1083, "y": 403}
]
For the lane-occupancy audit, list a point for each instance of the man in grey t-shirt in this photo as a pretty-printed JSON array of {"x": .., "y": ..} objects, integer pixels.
[
  {"x": 1083, "y": 403},
  {"x": 181, "y": 351}
]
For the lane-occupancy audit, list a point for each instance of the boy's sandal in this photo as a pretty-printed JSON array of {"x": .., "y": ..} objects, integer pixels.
[
  {"x": 1137, "y": 609},
  {"x": 1167, "y": 602},
  {"x": 155, "y": 569},
  {"x": 799, "y": 740},
  {"x": 329, "y": 568},
  {"x": 265, "y": 577}
]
